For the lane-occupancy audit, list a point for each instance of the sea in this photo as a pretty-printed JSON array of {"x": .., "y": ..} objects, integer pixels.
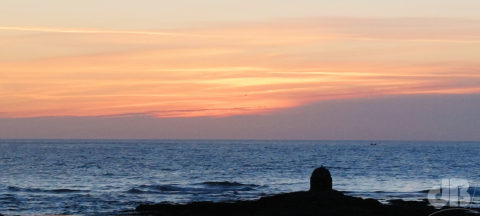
[{"x": 107, "y": 177}]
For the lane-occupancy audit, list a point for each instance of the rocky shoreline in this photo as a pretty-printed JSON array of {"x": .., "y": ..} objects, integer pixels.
[
  {"x": 321, "y": 199},
  {"x": 303, "y": 203}
]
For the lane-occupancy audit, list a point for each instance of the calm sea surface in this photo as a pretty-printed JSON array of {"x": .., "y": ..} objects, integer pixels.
[{"x": 90, "y": 177}]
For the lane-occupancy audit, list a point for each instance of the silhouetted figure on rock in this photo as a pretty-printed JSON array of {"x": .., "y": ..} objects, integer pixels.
[
  {"x": 320, "y": 200},
  {"x": 321, "y": 180}
]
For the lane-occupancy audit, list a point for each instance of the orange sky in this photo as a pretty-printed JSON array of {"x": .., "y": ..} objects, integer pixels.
[{"x": 232, "y": 68}]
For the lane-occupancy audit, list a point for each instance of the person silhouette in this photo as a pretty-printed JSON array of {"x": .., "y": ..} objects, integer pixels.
[{"x": 321, "y": 180}]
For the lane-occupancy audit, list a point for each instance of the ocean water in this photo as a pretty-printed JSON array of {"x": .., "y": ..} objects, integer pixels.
[{"x": 91, "y": 177}]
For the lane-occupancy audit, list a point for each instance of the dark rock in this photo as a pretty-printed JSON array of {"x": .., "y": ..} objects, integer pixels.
[
  {"x": 321, "y": 180},
  {"x": 325, "y": 203}
]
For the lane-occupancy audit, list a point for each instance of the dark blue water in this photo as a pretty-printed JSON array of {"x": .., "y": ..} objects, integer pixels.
[{"x": 89, "y": 177}]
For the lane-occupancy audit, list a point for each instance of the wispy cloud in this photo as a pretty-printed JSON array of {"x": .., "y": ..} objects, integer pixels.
[{"x": 89, "y": 31}]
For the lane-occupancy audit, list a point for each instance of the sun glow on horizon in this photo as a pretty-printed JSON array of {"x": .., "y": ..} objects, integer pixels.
[{"x": 244, "y": 68}]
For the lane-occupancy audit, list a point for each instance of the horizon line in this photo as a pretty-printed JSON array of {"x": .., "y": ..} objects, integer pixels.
[{"x": 242, "y": 139}]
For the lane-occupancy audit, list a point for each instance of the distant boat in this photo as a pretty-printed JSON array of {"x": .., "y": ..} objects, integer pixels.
[{"x": 373, "y": 144}]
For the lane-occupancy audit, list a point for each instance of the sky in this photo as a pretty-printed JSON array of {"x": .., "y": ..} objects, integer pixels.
[{"x": 220, "y": 69}]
